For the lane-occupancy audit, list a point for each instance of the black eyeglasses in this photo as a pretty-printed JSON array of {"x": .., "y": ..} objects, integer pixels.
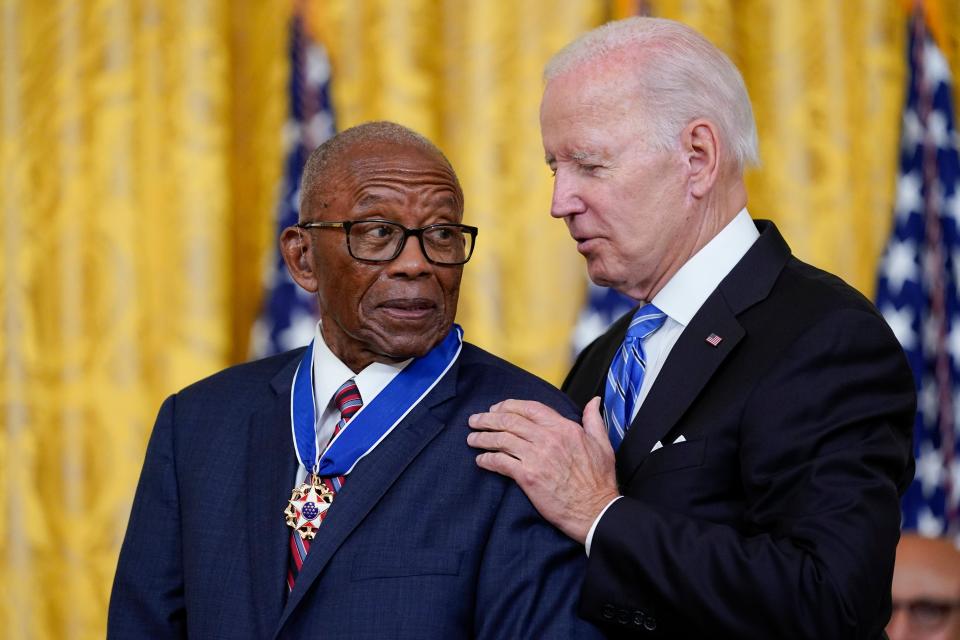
[
  {"x": 382, "y": 241},
  {"x": 925, "y": 613}
]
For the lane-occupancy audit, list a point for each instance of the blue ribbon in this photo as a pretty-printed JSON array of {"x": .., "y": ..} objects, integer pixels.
[{"x": 376, "y": 419}]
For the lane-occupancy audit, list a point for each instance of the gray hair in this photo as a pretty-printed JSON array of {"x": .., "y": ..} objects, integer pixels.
[
  {"x": 332, "y": 151},
  {"x": 682, "y": 76}
]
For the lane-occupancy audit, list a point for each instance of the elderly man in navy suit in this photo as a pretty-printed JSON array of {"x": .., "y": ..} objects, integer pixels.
[
  {"x": 746, "y": 431},
  {"x": 329, "y": 492}
]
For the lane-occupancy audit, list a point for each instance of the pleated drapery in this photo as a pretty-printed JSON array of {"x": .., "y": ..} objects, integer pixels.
[{"x": 140, "y": 154}]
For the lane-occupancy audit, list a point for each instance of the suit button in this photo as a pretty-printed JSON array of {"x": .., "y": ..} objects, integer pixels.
[
  {"x": 650, "y": 623},
  {"x": 608, "y": 611},
  {"x": 623, "y": 616}
]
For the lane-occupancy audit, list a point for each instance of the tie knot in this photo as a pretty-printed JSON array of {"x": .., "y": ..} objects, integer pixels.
[
  {"x": 645, "y": 321},
  {"x": 347, "y": 399}
]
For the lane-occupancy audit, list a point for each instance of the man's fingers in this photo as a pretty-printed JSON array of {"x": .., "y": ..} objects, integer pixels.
[
  {"x": 593, "y": 423},
  {"x": 529, "y": 409},
  {"x": 503, "y": 441},
  {"x": 503, "y": 422},
  {"x": 499, "y": 462}
]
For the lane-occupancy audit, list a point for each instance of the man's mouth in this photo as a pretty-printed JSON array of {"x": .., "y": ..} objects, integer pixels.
[
  {"x": 409, "y": 308},
  {"x": 584, "y": 243}
]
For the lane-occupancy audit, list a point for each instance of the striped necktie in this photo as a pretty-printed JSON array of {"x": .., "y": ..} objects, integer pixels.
[
  {"x": 625, "y": 376},
  {"x": 348, "y": 401}
]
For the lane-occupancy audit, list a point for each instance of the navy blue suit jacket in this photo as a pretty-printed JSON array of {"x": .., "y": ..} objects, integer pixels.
[
  {"x": 779, "y": 516},
  {"x": 419, "y": 543}
]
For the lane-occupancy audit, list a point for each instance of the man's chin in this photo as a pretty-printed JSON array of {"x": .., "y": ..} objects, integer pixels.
[{"x": 403, "y": 346}]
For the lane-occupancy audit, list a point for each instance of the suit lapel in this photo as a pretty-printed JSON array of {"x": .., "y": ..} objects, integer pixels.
[
  {"x": 271, "y": 469},
  {"x": 693, "y": 361},
  {"x": 368, "y": 483}
]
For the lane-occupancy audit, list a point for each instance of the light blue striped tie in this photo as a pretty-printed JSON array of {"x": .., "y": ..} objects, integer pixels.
[{"x": 626, "y": 373}]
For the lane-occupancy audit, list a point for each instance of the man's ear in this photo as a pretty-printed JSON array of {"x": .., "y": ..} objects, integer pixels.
[
  {"x": 297, "y": 253},
  {"x": 700, "y": 141}
]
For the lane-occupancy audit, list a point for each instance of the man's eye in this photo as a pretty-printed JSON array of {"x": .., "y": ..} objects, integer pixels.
[
  {"x": 374, "y": 231},
  {"x": 379, "y": 231}
]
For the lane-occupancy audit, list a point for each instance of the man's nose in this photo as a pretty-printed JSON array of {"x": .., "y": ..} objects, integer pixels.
[
  {"x": 566, "y": 199},
  {"x": 411, "y": 262}
]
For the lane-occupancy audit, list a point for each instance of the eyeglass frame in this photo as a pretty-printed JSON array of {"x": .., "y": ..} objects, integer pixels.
[{"x": 407, "y": 232}]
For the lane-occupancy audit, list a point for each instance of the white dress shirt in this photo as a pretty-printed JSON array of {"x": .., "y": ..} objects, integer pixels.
[
  {"x": 682, "y": 297},
  {"x": 329, "y": 372}
]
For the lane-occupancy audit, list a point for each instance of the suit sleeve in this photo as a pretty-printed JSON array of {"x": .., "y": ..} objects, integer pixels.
[
  {"x": 530, "y": 578},
  {"x": 825, "y": 452},
  {"x": 147, "y": 599},
  {"x": 531, "y": 573}
]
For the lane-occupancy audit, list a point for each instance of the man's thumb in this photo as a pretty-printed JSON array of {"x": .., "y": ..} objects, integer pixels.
[{"x": 592, "y": 420}]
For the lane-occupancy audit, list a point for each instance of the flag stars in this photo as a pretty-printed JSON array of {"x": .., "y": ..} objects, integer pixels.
[
  {"x": 937, "y": 130},
  {"x": 908, "y": 194},
  {"x": 901, "y": 322},
  {"x": 953, "y": 341},
  {"x": 928, "y": 524},
  {"x": 951, "y": 209},
  {"x": 912, "y": 134},
  {"x": 930, "y": 469},
  {"x": 901, "y": 265},
  {"x": 301, "y": 329},
  {"x": 935, "y": 68}
]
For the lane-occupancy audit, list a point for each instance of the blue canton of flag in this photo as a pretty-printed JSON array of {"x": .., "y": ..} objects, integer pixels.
[
  {"x": 917, "y": 289},
  {"x": 288, "y": 317}
]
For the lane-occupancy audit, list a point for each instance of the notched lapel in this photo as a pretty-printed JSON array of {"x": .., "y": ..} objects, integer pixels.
[
  {"x": 693, "y": 360},
  {"x": 271, "y": 469},
  {"x": 690, "y": 365},
  {"x": 368, "y": 483}
]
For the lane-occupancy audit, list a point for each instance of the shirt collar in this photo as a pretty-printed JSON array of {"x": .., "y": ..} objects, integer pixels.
[
  {"x": 329, "y": 372},
  {"x": 690, "y": 287}
]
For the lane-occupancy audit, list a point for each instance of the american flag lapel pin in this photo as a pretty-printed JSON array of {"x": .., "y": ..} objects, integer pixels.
[{"x": 713, "y": 339}]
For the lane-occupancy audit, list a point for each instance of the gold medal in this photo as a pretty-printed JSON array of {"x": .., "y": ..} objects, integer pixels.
[{"x": 307, "y": 504}]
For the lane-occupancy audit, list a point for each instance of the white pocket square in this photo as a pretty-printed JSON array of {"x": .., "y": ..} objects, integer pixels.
[{"x": 659, "y": 444}]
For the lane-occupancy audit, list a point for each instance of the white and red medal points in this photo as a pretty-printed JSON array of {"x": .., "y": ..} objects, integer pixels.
[{"x": 306, "y": 506}]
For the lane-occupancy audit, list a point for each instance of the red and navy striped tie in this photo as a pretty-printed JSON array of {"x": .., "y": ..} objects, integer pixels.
[{"x": 348, "y": 401}]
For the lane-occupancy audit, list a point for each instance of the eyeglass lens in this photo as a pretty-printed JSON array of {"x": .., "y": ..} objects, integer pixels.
[{"x": 379, "y": 240}]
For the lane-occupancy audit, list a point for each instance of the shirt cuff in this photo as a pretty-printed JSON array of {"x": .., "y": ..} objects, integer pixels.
[{"x": 593, "y": 527}]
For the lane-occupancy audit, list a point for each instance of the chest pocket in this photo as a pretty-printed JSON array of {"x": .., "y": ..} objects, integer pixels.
[
  {"x": 673, "y": 457},
  {"x": 402, "y": 563}
]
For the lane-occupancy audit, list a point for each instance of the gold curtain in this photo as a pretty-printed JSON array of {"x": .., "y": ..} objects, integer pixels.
[
  {"x": 139, "y": 157},
  {"x": 467, "y": 75},
  {"x": 140, "y": 151},
  {"x": 827, "y": 80}
]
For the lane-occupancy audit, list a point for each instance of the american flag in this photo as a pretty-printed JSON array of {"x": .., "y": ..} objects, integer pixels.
[
  {"x": 917, "y": 289},
  {"x": 288, "y": 317}
]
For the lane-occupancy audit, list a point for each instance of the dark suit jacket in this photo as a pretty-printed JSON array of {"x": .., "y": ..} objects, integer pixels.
[
  {"x": 419, "y": 543},
  {"x": 779, "y": 516}
]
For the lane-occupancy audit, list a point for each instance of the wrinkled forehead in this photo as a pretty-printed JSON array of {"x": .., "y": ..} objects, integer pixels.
[{"x": 379, "y": 170}]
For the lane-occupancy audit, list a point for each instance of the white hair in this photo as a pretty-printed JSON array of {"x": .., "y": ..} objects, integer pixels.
[{"x": 681, "y": 76}]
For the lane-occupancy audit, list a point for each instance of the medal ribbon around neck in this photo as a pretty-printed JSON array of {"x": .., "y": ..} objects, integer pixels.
[{"x": 375, "y": 419}]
